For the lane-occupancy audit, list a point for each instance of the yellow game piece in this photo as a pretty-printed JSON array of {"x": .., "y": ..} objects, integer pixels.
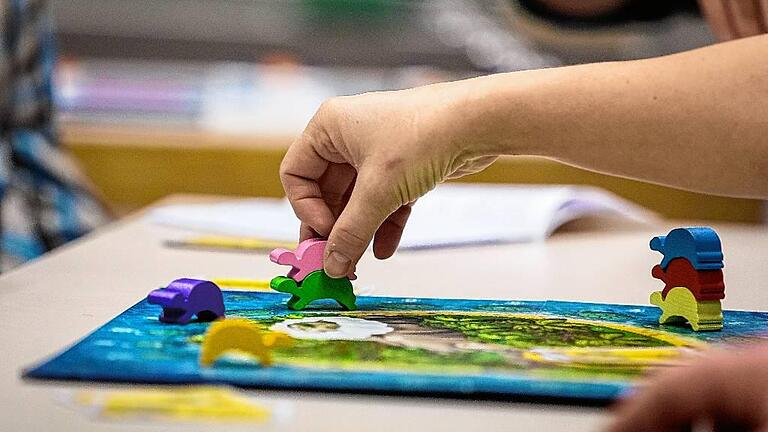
[
  {"x": 233, "y": 243},
  {"x": 244, "y": 284},
  {"x": 176, "y": 404},
  {"x": 242, "y": 335},
  {"x": 277, "y": 340},
  {"x": 680, "y": 305}
]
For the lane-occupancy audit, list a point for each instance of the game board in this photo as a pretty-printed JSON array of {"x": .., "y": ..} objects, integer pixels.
[{"x": 573, "y": 352}]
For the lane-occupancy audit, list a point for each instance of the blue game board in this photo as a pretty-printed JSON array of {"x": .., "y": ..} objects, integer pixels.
[{"x": 574, "y": 352}]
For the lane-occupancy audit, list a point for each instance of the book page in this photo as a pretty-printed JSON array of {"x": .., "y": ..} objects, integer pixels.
[{"x": 455, "y": 214}]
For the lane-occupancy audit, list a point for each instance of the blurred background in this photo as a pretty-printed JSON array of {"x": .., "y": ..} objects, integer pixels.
[{"x": 203, "y": 96}]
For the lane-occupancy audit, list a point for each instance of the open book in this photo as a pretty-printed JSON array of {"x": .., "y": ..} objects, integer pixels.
[{"x": 451, "y": 215}]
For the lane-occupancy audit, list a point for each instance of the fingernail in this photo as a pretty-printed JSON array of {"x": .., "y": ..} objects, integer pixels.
[{"x": 337, "y": 265}]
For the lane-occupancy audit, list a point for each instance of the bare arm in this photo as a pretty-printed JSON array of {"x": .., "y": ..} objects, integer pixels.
[{"x": 696, "y": 120}]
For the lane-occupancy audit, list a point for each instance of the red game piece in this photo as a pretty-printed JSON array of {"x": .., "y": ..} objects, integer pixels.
[{"x": 705, "y": 285}]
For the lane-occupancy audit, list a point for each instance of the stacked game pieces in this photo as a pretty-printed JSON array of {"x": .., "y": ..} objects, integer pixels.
[
  {"x": 306, "y": 281},
  {"x": 692, "y": 272}
]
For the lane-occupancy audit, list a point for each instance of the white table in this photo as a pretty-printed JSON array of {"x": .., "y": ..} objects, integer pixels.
[{"x": 55, "y": 301}]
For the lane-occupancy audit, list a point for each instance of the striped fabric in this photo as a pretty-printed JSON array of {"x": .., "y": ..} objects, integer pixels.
[{"x": 44, "y": 201}]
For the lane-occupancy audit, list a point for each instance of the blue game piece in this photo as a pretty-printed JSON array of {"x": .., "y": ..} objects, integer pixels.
[
  {"x": 699, "y": 245},
  {"x": 185, "y": 298}
]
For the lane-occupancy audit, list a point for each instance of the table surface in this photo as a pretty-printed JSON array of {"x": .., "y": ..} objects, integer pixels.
[{"x": 54, "y": 301}]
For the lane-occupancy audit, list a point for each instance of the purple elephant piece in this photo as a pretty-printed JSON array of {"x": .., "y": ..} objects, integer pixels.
[{"x": 184, "y": 298}]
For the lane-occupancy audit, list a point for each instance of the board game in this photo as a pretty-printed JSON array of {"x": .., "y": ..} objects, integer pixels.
[{"x": 583, "y": 353}]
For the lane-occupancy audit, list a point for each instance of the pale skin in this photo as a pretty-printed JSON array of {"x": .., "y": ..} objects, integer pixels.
[{"x": 696, "y": 120}]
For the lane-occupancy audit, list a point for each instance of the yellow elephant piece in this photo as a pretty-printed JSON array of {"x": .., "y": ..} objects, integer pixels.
[
  {"x": 680, "y": 306},
  {"x": 241, "y": 335}
]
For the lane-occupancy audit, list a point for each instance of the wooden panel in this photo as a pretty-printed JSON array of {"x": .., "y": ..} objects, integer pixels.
[{"x": 136, "y": 166}]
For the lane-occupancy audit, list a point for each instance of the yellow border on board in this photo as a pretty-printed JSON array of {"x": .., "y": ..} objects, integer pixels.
[{"x": 664, "y": 336}]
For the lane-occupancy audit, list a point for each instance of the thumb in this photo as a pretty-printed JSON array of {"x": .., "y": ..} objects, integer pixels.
[{"x": 370, "y": 203}]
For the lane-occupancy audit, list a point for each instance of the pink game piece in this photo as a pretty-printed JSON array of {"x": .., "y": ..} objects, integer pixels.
[{"x": 307, "y": 258}]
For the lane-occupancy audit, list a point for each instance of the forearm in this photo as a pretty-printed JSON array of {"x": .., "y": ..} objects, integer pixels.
[{"x": 696, "y": 120}]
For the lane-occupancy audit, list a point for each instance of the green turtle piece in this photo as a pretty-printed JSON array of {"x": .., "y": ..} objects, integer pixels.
[
  {"x": 317, "y": 285},
  {"x": 680, "y": 306}
]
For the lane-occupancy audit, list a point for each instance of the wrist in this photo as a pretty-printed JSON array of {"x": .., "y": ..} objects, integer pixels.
[
  {"x": 548, "y": 112},
  {"x": 501, "y": 114}
]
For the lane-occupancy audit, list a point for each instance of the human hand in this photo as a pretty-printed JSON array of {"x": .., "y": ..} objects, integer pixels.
[
  {"x": 363, "y": 160},
  {"x": 733, "y": 19},
  {"x": 727, "y": 391}
]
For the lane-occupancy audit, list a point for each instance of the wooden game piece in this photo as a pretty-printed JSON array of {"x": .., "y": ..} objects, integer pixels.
[
  {"x": 316, "y": 286},
  {"x": 184, "y": 298},
  {"x": 680, "y": 306},
  {"x": 699, "y": 245},
  {"x": 240, "y": 335},
  {"x": 307, "y": 257},
  {"x": 179, "y": 404},
  {"x": 244, "y": 284},
  {"x": 705, "y": 285}
]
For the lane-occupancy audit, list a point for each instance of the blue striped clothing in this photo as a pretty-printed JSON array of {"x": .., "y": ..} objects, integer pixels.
[{"x": 44, "y": 199}]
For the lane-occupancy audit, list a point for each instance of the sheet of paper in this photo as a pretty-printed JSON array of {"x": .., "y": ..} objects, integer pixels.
[{"x": 454, "y": 214}]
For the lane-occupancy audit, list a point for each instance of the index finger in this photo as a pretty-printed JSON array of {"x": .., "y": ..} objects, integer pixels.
[{"x": 300, "y": 171}]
